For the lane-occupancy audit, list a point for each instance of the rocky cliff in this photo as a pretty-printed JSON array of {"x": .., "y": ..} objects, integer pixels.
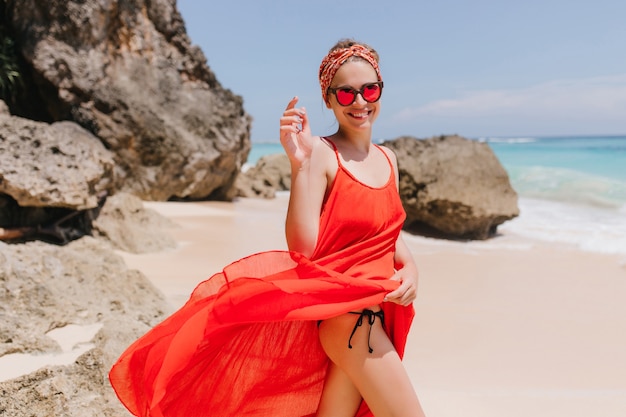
[{"x": 126, "y": 72}]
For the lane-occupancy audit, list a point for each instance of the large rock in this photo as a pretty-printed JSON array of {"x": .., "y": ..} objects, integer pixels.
[
  {"x": 454, "y": 186},
  {"x": 45, "y": 287},
  {"x": 271, "y": 173},
  {"x": 126, "y": 71},
  {"x": 127, "y": 225},
  {"x": 52, "y": 165}
]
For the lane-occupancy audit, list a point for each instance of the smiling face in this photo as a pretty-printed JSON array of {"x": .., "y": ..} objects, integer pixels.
[{"x": 360, "y": 115}]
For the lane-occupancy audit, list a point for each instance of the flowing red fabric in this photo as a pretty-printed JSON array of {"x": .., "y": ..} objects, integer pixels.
[{"x": 246, "y": 342}]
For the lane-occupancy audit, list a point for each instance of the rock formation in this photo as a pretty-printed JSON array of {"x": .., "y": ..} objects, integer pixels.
[
  {"x": 113, "y": 104},
  {"x": 128, "y": 226},
  {"x": 126, "y": 71},
  {"x": 53, "y": 179},
  {"x": 52, "y": 165},
  {"x": 45, "y": 288},
  {"x": 271, "y": 173},
  {"x": 454, "y": 186}
]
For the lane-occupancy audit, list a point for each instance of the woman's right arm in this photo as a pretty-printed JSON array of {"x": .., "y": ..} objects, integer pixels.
[{"x": 308, "y": 179}]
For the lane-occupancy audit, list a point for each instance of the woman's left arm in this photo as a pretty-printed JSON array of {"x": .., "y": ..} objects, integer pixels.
[
  {"x": 406, "y": 269},
  {"x": 406, "y": 273}
]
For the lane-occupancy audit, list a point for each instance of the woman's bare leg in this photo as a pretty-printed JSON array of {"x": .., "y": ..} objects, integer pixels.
[
  {"x": 340, "y": 397},
  {"x": 379, "y": 377}
]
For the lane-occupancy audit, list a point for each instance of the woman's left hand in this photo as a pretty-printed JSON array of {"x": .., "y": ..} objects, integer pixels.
[{"x": 407, "y": 291}]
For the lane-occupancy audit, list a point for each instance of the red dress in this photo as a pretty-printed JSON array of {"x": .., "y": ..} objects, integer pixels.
[{"x": 246, "y": 342}]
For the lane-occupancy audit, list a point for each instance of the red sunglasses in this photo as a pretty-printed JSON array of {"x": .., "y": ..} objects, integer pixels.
[{"x": 370, "y": 92}]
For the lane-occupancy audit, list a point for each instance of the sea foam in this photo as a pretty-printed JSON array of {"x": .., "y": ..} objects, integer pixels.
[
  {"x": 594, "y": 229},
  {"x": 508, "y": 140}
]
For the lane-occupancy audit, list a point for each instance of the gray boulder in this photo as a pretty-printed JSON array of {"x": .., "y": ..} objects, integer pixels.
[
  {"x": 454, "y": 186},
  {"x": 52, "y": 165},
  {"x": 271, "y": 173},
  {"x": 127, "y": 225},
  {"x": 126, "y": 71}
]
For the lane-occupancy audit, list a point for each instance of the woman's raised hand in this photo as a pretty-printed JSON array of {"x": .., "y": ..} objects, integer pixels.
[{"x": 295, "y": 133}]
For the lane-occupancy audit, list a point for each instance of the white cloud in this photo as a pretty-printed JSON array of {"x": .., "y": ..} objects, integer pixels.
[{"x": 562, "y": 106}]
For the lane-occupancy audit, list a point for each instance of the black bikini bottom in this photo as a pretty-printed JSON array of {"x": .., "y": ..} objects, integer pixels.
[{"x": 371, "y": 318}]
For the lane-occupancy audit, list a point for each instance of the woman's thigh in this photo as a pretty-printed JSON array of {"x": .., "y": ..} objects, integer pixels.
[
  {"x": 340, "y": 397},
  {"x": 378, "y": 376}
]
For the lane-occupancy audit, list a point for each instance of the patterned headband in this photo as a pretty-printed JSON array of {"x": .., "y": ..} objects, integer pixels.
[{"x": 335, "y": 59}]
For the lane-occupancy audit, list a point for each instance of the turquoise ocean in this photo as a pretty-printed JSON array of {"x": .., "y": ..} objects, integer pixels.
[{"x": 572, "y": 190}]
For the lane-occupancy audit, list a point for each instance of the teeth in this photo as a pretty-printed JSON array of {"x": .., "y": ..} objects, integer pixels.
[{"x": 360, "y": 114}]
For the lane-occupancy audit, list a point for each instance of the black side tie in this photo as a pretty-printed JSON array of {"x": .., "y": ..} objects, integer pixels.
[{"x": 371, "y": 318}]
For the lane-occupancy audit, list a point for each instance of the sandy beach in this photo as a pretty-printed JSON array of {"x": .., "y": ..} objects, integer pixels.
[{"x": 504, "y": 328}]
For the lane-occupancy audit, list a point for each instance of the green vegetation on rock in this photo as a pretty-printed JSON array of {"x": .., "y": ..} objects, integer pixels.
[{"x": 10, "y": 78}]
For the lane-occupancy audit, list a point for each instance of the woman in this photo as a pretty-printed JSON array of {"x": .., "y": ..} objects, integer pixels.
[
  {"x": 351, "y": 87},
  {"x": 315, "y": 331}
]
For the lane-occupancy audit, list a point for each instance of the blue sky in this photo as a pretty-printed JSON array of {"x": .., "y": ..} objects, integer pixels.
[{"x": 478, "y": 68}]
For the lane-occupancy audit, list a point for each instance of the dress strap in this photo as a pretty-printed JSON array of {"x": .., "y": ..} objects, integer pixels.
[
  {"x": 386, "y": 156},
  {"x": 331, "y": 143},
  {"x": 371, "y": 318}
]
